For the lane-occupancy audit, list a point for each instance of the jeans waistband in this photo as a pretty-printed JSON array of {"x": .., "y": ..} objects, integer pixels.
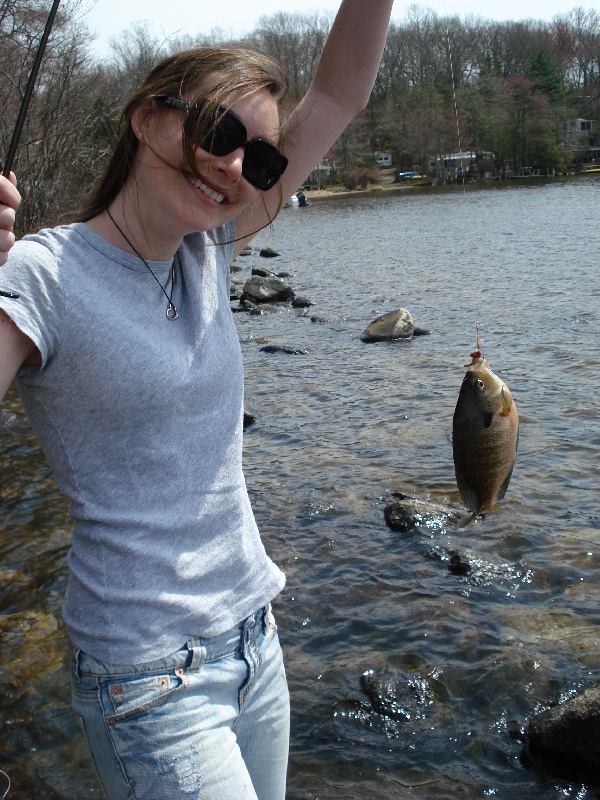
[{"x": 192, "y": 654}]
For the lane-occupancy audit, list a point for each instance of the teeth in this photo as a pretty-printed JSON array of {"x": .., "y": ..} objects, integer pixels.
[{"x": 218, "y": 198}]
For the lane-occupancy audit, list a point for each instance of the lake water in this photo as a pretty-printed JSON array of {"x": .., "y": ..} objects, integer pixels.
[{"x": 339, "y": 429}]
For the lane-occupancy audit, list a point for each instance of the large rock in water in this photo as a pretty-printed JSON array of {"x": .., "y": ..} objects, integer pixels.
[
  {"x": 266, "y": 290},
  {"x": 407, "y": 514},
  {"x": 567, "y": 737},
  {"x": 396, "y": 324}
]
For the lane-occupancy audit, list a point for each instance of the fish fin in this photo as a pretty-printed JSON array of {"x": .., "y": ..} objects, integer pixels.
[
  {"x": 487, "y": 419},
  {"x": 468, "y": 497},
  {"x": 504, "y": 487},
  {"x": 506, "y": 402}
]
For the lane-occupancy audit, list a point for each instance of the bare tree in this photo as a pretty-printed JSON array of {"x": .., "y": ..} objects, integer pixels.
[
  {"x": 54, "y": 154},
  {"x": 295, "y": 41}
]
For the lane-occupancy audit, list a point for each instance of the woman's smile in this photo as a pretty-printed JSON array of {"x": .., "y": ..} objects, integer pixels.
[{"x": 211, "y": 193}]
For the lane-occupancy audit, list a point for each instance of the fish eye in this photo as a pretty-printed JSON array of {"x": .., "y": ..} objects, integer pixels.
[{"x": 480, "y": 384}]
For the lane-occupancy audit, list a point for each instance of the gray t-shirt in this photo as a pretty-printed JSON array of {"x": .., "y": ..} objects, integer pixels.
[{"x": 141, "y": 419}]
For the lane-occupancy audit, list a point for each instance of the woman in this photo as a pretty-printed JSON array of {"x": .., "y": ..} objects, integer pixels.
[{"x": 128, "y": 363}]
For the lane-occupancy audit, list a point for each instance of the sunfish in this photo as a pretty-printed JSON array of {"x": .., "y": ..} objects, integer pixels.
[{"x": 485, "y": 432}]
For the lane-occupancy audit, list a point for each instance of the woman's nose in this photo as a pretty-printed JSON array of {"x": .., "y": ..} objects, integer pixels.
[{"x": 230, "y": 164}]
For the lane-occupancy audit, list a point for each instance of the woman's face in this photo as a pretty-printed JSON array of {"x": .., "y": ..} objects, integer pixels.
[{"x": 171, "y": 193}]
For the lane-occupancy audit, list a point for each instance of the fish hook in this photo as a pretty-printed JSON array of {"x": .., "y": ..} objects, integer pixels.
[{"x": 477, "y": 354}]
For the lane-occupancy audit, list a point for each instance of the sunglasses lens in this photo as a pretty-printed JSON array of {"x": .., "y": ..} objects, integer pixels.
[
  {"x": 221, "y": 134},
  {"x": 263, "y": 164}
]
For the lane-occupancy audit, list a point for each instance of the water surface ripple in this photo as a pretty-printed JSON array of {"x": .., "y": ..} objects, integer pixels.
[{"x": 338, "y": 430}]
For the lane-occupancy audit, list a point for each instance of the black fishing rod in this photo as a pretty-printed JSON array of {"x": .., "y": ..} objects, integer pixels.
[
  {"x": 10, "y": 156},
  {"x": 14, "y": 142}
]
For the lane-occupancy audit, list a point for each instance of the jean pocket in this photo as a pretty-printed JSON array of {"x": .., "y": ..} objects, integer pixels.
[{"x": 135, "y": 696}]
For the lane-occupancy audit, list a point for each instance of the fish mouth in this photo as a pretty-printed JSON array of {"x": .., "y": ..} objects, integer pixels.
[
  {"x": 212, "y": 194},
  {"x": 477, "y": 360}
]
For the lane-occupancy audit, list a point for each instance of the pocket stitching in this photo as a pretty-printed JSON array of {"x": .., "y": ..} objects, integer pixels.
[{"x": 145, "y": 708}]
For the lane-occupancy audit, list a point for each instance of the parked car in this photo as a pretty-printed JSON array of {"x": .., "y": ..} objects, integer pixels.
[{"x": 406, "y": 176}]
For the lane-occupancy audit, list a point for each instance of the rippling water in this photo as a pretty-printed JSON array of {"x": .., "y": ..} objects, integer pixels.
[{"x": 338, "y": 430}]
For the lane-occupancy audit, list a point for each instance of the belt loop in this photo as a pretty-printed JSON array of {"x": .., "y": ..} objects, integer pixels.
[
  {"x": 268, "y": 618},
  {"x": 198, "y": 654},
  {"x": 247, "y": 624}
]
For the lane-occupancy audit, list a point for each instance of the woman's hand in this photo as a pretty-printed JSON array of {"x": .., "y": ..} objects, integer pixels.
[
  {"x": 10, "y": 200},
  {"x": 340, "y": 90}
]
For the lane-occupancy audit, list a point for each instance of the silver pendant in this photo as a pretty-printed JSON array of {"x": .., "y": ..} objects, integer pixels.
[{"x": 171, "y": 312}]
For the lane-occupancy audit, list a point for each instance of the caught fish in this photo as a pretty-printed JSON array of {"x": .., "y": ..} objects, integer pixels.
[{"x": 485, "y": 432}]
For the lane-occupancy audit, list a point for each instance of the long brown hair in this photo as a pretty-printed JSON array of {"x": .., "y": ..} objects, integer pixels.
[{"x": 220, "y": 71}]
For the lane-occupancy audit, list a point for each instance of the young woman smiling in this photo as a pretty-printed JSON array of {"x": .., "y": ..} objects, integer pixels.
[{"x": 119, "y": 332}]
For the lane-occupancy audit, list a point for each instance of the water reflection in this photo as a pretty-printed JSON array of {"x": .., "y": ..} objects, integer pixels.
[{"x": 340, "y": 429}]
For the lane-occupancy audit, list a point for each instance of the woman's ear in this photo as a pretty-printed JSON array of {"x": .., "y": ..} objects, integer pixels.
[{"x": 142, "y": 118}]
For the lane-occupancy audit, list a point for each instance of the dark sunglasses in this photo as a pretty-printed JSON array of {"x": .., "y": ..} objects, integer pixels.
[{"x": 263, "y": 164}]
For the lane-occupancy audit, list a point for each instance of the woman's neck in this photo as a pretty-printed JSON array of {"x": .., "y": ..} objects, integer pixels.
[{"x": 124, "y": 226}]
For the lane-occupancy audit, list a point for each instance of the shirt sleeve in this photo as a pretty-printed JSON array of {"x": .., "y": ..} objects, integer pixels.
[{"x": 32, "y": 272}]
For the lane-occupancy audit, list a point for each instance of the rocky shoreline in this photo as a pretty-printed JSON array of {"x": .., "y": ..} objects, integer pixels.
[
  {"x": 561, "y": 740},
  {"x": 265, "y": 291}
]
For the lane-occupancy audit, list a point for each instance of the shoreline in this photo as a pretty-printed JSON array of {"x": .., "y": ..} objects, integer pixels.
[{"x": 376, "y": 188}]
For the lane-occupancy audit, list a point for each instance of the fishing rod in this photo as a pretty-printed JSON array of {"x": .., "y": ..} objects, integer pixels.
[{"x": 14, "y": 142}]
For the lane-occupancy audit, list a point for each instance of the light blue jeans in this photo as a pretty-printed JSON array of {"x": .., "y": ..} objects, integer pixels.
[{"x": 209, "y": 722}]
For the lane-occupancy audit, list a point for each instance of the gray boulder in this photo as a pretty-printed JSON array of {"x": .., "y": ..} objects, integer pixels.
[
  {"x": 396, "y": 324},
  {"x": 263, "y": 273},
  {"x": 266, "y": 290},
  {"x": 268, "y": 252},
  {"x": 301, "y": 302}
]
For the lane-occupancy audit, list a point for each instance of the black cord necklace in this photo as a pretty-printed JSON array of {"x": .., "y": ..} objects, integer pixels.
[{"x": 171, "y": 308}]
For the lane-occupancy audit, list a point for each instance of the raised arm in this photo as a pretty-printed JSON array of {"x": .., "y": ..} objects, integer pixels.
[{"x": 340, "y": 90}]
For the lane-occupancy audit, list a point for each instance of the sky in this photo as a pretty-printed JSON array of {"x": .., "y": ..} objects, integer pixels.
[{"x": 168, "y": 18}]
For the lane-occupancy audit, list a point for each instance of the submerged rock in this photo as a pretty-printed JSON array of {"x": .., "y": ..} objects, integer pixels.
[
  {"x": 268, "y": 252},
  {"x": 278, "y": 348},
  {"x": 236, "y": 288},
  {"x": 409, "y": 514},
  {"x": 301, "y": 302},
  {"x": 264, "y": 308},
  {"x": 13, "y": 422},
  {"x": 397, "y": 695},
  {"x": 566, "y": 738},
  {"x": 263, "y": 272},
  {"x": 396, "y": 324}
]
